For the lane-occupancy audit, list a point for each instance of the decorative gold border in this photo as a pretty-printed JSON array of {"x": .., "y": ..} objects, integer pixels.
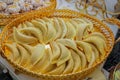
[
  {"x": 105, "y": 30},
  {"x": 116, "y": 22},
  {"x": 113, "y": 21}
]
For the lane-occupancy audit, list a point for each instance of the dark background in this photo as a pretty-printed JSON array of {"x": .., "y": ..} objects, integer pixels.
[{"x": 114, "y": 57}]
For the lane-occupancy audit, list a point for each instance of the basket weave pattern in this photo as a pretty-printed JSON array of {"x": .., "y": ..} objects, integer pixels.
[{"x": 62, "y": 14}]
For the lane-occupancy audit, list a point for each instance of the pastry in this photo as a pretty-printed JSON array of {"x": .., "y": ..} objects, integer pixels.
[
  {"x": 71, "y": 31},
  {"x": 3, "y": 5},
  {"x": 22, "y": 38},
  {"x": 55, "y": 52},
  {"x": 63, "y": 27},
  {"x": 98, "y": 42},
  {"x": 37, "y": 3},
  {"x": 32, "y": 31},
  {"x": 86, "y": 48},
  {"x": 40, "y": 25},
  {"x": 26, "y": 7},
  {"x": 57, "y": 28},
  {"x": 13, "y": 9},
  {"x": 28, "y": 1},
  {"x": 8, "y": 1},
  {"x": 24, "y": 61},
  {"x": 76, "y": 59},
  {"x": 15, "y": 53},
  {"x": 19, "y": 2}
]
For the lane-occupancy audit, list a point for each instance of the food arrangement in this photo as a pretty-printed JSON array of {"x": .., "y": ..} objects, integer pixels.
[
  {"x": 55, "y": 46},
  {"x": 8, "y": 7}
]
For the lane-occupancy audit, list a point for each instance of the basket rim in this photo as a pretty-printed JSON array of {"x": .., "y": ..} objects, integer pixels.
[{"x": 82, "y": 71}]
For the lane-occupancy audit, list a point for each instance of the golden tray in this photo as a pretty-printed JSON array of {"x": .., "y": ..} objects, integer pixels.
[
  {"x": 4, "y": 19},
  {"x": 100, "y": 26}
]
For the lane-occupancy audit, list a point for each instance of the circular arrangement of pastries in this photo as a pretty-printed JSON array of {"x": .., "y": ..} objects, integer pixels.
[
  {"x": 55, "y": 46},
  {"x": 19, "y": 6}
]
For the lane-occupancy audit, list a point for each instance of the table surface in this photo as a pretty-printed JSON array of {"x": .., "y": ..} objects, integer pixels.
[{"x": 61, "y": 4}]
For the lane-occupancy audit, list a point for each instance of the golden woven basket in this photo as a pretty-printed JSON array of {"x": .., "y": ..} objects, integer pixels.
[
  {"x": 4, "y": 19},
  {"x": 101, "y": 27}
]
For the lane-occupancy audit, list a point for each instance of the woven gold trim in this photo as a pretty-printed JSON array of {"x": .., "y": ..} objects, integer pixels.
[
  {"x": 113, "y": 21},
  {"x": 116, "y": 22},
  {"x": 62, "y": 14}
]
